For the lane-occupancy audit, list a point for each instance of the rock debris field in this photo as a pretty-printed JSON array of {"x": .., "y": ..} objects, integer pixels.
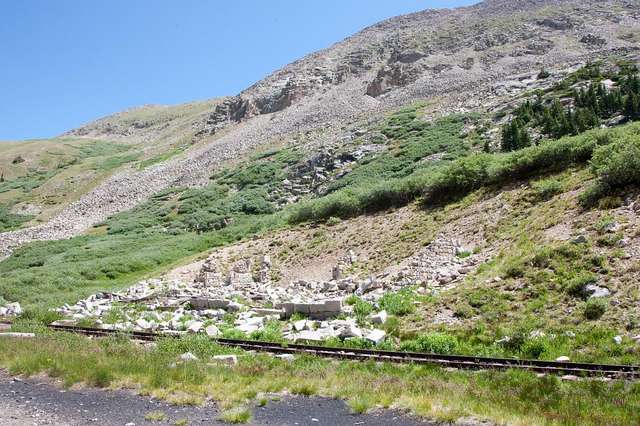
[{"x": 227, "y": 298}]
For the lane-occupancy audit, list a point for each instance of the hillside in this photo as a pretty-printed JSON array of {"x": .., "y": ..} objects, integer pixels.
[{"x": 453, "y": 181}]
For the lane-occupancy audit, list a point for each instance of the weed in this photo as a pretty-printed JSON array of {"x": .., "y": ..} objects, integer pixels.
[
  {"x": 399, "y": 303},
  {"x": 155, "y": 416},
  {"x": 595, "y": 308},
  {"x": 236, "y": 415}
]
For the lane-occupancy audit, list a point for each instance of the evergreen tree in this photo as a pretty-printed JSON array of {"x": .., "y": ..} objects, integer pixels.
[
  {"x": 632, "y": 107},
  {"x": 515, "y": 136}
]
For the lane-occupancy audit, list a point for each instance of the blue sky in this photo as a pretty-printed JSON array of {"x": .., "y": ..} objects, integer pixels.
[{"x": 66, "y": 62}]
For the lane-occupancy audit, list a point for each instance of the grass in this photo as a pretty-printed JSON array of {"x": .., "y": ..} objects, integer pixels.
[
  {"x": 236, "y": 415},
  {"x": 506, "y": 397},
  {"x": 155, "y": 416},
  {"x": 47, "y": 274},
  {"x": 9, "y": 221}
]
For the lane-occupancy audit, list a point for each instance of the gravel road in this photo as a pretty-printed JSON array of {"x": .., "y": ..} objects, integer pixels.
[{"x": 38, "y": 401}]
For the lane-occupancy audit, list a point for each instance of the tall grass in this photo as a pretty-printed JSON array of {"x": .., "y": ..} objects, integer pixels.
[{"x": 504, "y": 397}]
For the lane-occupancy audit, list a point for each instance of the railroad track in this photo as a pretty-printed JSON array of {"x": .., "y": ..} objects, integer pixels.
[{"x": 451, "y": 361}]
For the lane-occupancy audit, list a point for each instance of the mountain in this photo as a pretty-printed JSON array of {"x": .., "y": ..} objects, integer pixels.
[
  {"x": 460, "y": 59},
  {"x": 453, "y": 181}
]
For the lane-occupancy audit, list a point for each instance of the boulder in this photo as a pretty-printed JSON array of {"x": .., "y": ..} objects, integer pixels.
[
  {"x": 212, "y": 331},
  {"x": 13, "y": 309},
  {"x": 617, "y": 340},
  {"x": 144, "y": 324},
  {"x": 194, "y": 326},
  {"x": 248, "y": 328},
  {"x": 286, "y": 357},
  {"x": 563, "y": 359},
  {"x": 311, "y": 335},
  {"x": 300, "y": 325},
  {"x": 200, "y": 303},
  {"x": 188, "y": 357},
  {"x": 348, "y": 331},
  {"x": 379, "y": 318},
  {"x": 376, "y": 336},
  {"x": 595, "y": 291}
]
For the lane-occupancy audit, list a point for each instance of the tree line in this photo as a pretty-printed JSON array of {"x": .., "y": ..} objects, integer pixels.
[{"x": 583, "y": 110}]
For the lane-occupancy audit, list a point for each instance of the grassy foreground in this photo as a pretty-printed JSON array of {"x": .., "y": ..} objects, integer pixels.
[{"x": 504, "y": 397}]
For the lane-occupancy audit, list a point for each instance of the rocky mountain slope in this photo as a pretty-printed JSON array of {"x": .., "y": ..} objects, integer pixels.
[
  {"x": 456, "y": 182},
  {"x": 460, "y": 60}
]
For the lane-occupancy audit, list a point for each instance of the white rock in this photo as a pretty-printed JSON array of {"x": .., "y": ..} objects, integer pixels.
[
  {"x": 194, "y": 326},
  {"x": 376, "y": 336},
  {"x": 144, "y": 324},
  {"x": 188, "y": 356},
  {"x": 286, "y": 357},
  {"x": 596, "y": 291},
  {"x": 379, "y": 318},
  {"x": 226, "y": 359},
  {"x": 14, "y": 308},
  {"x": 255, "y": 321},
  {"x": 248, "y": 328},
  {"x": 311, "y": 335},
  {"x": 212, "y": 331},
  {"x": 570, "y": 378},
  {"x": 349, "y": 330},
  {"x": 300, "y": 325},
  {"x": 563, "y": 359},
  {"x": 18, "y": 335},
  {"x": 618, "y": 340}
]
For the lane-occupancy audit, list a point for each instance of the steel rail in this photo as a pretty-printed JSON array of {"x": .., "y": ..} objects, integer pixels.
[{"x": 452, "y": 361}]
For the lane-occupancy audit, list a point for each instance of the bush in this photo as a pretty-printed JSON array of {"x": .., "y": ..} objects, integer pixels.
[
  {"x": 616, "y": 166},
  {"x": 595, "y": 308},
  {"x": 535, "y": 347},
  {"x": 438, "y": 343},
  {"x": 547, "y": 188},
  {"x": 362, "y": 309},
  {"x": 457, "y": 178},
  {"x": 400, "y": 303},
  {"x": 577, "y": 286},
  {"x": 270, "y": 333}
]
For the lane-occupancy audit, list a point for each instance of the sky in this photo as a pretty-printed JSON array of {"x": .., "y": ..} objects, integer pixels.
[{"x": 67, "y": 62}]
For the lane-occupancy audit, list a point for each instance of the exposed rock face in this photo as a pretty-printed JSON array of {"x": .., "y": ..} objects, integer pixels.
[{"x": 453, "y": 56}]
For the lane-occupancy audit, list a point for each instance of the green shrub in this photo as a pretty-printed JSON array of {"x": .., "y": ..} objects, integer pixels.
[
  {"x": 609, "y": 203},
  {"x": 441, "y": 183},
  {"x": 9, "y": 221},
  {"x": 616, "y": 166},
  {"x": 547, "y": 188},
  {"x": 399, "y": 303},
  {"x": 577, "y": 286},
  {"x": 535, "y": 348},
  {"x": 595, "y": 308},
  {"x": 270, "y": 333},
  {"x": 463, "y": 310},
  {"x": 438, "y": 343},
  {"x": 362, "y": 309}
]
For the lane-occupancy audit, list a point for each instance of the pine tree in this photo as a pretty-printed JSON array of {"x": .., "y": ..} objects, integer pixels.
[{"x": 632, "y": 107}]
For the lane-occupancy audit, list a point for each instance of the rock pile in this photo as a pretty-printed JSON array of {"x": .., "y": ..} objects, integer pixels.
[
  {"x": 240, "y": 294},
  {"x": 10, "y": 310},
  {"x": 442, "y": 262}
]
